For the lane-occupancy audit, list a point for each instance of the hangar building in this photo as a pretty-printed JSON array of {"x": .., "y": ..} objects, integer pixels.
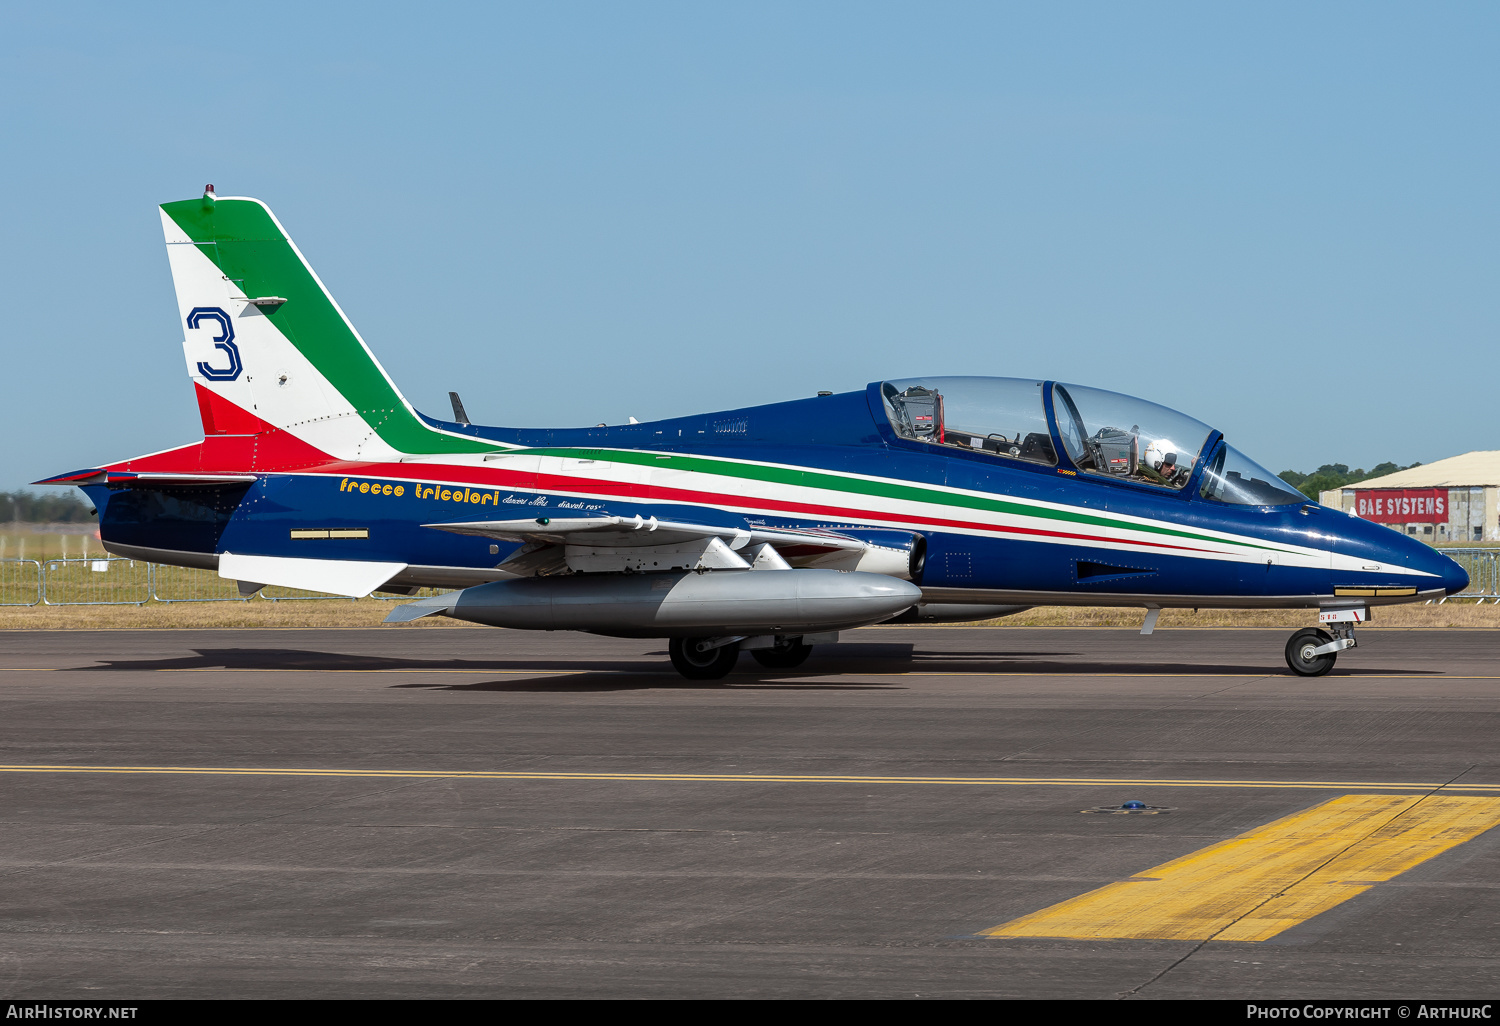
[{"x": 1452, "y": 500}]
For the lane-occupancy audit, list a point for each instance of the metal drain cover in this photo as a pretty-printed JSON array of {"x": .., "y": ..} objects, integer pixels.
[{"x": 1132, "y": 808}]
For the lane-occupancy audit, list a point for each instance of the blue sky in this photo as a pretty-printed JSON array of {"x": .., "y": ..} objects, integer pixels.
[{"x": 1280, "y": 218}]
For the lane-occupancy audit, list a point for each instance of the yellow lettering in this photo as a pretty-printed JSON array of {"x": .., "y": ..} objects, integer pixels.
[
  {"x": 486, "y": 500},
  {"x": 445, "y": 495},
  {"x": 385, "y": 489},
  {"x": 343, "y": 484},
  {"x": 364, "y": 486},
  {"x": 400, "y": 491}
]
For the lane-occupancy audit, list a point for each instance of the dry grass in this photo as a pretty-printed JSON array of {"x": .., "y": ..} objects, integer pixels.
[
  {"x": 369, "y": 613},
  {"x": 200, "y": 615}
]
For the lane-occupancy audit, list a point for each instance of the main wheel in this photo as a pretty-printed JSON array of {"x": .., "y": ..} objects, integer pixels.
[
  {"x": 1299, "y": 653},
  {"x": 782, "y": 657},
  {"x": 696, "y": 665}
]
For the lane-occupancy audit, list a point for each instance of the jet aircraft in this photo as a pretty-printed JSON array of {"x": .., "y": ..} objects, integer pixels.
[{"x": 764, "y": 530}]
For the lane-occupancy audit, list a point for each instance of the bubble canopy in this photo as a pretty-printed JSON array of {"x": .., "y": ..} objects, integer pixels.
[
  {"x": 1235, "y": 478},
  {"x": 1001, "y": 416},
  {"x": 1121, "y": 436},
  {"x": 1103, "y": 433}
]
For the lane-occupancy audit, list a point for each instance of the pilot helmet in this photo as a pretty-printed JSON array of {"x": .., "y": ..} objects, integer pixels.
[{"x": 1157, "y": 454}]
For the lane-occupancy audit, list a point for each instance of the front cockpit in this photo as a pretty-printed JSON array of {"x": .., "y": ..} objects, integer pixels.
[
  {"x": 1099, "y": 433},
  {"x": 1120, "y": 436}
]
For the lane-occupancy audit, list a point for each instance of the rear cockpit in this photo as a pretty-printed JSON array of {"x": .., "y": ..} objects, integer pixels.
[{"x": 1001, "y": 416}]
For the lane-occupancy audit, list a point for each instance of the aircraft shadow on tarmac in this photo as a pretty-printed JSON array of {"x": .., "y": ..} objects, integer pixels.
[
  {"x": 762, "y": 680},
  {"x": 833, "y": 661},
  {"x": 305, "y": 659}
]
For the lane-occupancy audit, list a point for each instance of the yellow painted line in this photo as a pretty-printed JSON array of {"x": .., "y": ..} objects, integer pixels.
[
  {"x": 1253, "y": 675},
  {"x": 1254, "y": 886},
  {"x": 744, "y": 778}
]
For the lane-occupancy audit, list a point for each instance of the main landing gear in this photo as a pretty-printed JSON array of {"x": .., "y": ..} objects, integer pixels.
[
  {"x": 789, "y": 652},
  {"x": 1311, "y": 652},
  {"x": 713, "y": 658},
  {"x": 704, "y": 658}
]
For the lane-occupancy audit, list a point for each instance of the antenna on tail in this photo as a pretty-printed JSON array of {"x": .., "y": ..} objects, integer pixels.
[{"x": 458, "y": 408}]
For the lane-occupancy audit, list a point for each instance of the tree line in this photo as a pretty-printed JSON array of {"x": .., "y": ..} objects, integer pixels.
[
  {"x": 29, "y": 507},
  {"x": 1336, "y": 475}
]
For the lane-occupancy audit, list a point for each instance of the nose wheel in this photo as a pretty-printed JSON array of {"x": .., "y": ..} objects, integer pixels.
[
  {"x": 1311, "y": 652},
  {"x": 1303, "y": 655}
]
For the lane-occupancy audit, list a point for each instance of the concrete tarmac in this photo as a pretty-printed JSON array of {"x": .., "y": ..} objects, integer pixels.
[{"x": 488, "y": 813}]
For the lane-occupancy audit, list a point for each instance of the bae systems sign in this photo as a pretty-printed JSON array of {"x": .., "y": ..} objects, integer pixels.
[{"x": 1402, "y": 505}]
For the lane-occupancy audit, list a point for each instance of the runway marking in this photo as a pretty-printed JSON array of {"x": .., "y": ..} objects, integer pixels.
[
  {"x": 1254, "y": 886},
  {"x": 747, "y": 778}
]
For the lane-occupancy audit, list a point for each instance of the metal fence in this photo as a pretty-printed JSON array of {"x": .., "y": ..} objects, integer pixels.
[
  {"x": 116, "y": 581},
  {"x": 187, "y": 584},
  {"x": 96, "y": 582},
  {"x": 20, "y": 582},
  {"x": 1483, "y": 566}
]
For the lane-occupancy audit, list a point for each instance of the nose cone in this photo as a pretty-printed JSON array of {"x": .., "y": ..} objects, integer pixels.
[
  {"x": 1455, "y": 577},
  {"x": 1370, "y": 555},
  {"x": 1424, "y": 559}
]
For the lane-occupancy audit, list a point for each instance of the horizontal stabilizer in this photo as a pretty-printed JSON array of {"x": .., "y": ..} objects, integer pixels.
[
  {"x": 353, "y": 577},
  {"x": 94, "y": 475},
  {"x": 190, "y": 480}
]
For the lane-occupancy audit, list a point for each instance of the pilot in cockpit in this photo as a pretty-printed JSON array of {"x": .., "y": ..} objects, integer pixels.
[{"x": 1160, "y": 463}]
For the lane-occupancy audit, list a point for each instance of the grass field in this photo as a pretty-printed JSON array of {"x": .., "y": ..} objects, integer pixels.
[
  {"x": 26, "y": 541},
  {"x": 369, "y": 613}
]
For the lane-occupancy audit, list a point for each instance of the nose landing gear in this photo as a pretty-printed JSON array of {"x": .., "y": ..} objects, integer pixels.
[{"x": 1311, "y": 652}]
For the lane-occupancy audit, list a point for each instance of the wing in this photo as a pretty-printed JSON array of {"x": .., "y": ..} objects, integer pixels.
[
  {"x": 608, "y": 543},
  {"x": 640, "y": 531}
]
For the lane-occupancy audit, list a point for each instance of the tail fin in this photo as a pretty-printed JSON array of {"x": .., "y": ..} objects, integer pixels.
[{"x": 266, "y": 342}]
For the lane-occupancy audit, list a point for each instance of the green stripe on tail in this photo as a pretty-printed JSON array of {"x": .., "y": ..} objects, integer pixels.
[{"x": 244, "y": 241}]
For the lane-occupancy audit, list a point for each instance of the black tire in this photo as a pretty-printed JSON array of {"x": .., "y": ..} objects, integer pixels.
[
  {"x": 696, "y": 665},
  {"x": 782, "y": 657},
  {"x": 1298, "y": 653}
]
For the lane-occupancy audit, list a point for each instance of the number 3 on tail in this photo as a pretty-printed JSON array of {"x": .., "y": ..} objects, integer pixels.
[{"x": 224, "y": 340}]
